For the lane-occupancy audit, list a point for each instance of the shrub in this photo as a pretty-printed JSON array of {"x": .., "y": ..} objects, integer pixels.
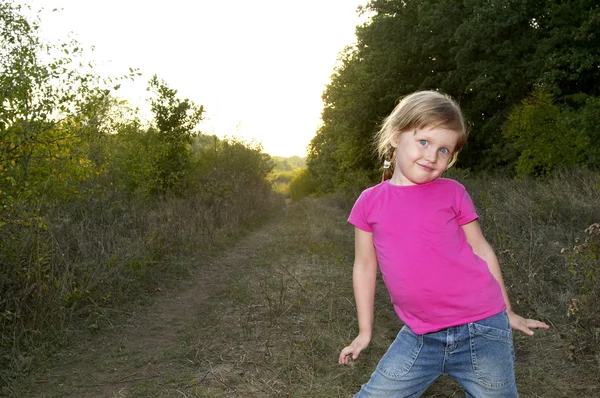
[
  {"x": 544, "y": 136},
  {"x": 302, "y": 185}
]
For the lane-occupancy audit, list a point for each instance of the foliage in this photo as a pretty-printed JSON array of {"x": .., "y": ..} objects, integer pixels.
[
  {"x": 488, "y": 55},
  {"x": 97, "y": 205},
  {"x": 587, "y": 121},
  {"x": 283, "y": 177},
  {"x": 49, "y": 102},
  {"x": 302, "y": 185},
  {"x": 284, "y": 171},
  {"x": 543, "y": 137},
  {"x": 175, "y": 121},
  {"x": 130, "y": 153},
  {"x": 288, "y": 164}
]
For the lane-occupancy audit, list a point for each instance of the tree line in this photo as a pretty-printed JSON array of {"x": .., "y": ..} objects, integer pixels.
[
  {"x": 62, "y": 127},
  {"x": 526, "y": 74}
]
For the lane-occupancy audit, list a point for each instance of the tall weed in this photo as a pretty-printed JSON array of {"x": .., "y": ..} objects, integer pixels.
[
  {"x": 546, "y": 236},
  {"x": 70, "y": 265}
]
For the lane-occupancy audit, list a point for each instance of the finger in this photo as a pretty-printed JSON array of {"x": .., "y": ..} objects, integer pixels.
[
  {"x": 532, "y": 323},
  {"x": 343, "y": 359},
  {"x": 523, "y": 328}
]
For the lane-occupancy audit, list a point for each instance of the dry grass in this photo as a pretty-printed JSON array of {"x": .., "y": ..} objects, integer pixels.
[
  {"x": 77, "y": 269},
  {"x": 272, "y": 325},
  {"x": 295, "y": 312}
]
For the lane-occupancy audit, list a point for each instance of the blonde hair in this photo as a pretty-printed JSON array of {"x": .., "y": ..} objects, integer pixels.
[{"x": 415, "y": 111}]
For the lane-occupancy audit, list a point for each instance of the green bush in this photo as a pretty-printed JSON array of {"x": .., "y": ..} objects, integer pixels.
[
  {"x": 302, "y": 185},
  {"x": 544, "y": 135},
  {"x": 589, "y": 123}
]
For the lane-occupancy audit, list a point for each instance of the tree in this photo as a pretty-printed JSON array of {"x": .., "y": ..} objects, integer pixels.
[
  {"x": 568, "y": 52},
  {"x": 46, "y": 94},
  {"x": 175, "y": 122},
  {"x": 488, "y": 55},
  {"x": 493, "y": 55},
  {"x": 406, "y": 46}
]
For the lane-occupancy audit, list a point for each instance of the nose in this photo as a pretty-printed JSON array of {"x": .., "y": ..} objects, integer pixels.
[{"x": 431, "y": 155}]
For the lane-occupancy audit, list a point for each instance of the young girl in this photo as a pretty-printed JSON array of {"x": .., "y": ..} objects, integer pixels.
[{"x": 442, "y": 275}]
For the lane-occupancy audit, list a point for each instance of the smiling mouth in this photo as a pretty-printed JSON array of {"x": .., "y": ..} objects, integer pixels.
[{"x": 425, "y": 167}]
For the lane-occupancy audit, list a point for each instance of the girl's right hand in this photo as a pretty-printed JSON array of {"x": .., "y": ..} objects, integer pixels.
[{"x": 353, "y": 350}]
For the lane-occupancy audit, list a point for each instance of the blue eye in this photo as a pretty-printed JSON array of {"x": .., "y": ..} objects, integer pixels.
[
  {"x": 444, "y": 151},
  {"x": 423, "y": 142}
]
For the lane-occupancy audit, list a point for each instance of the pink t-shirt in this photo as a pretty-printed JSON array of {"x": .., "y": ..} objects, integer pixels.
[{"x": 434, "y": 278}]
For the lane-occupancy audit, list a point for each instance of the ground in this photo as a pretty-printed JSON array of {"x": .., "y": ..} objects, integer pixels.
[{"x": 264, "y": 318}]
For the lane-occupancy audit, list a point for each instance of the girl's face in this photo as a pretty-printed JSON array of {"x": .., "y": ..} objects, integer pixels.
[{"x": 422, "y": 155}]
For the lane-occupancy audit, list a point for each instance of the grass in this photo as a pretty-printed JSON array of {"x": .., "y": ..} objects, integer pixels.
[
  {"x": 91, "y": 265},
  {"x": 297, "y": 311},
  {"x": 268, "y": 317},
  {"x": 295, "y": 314}
]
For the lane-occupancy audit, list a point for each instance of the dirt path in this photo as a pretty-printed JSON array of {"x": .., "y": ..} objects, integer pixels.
[{"x": 144, "y": 350}]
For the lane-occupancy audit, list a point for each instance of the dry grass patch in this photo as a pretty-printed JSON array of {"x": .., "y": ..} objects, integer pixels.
[
  {"x": 283, "y": 323},
  {"x": 268, "y": 317}
]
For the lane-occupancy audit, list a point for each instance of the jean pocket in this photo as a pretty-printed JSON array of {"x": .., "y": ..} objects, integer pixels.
[
  {"x": 492, "y": 351},
  {"x": 402, "y": 354},
  {"x": 496, "y": 327}
]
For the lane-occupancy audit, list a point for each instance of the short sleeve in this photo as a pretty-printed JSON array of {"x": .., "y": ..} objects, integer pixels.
[
  {"x": 358, "y": 215},
  {"x": 466, "y": 209}
]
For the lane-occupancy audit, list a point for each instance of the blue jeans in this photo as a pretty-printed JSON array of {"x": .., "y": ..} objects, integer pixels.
[{"x": 478, "y": 355}]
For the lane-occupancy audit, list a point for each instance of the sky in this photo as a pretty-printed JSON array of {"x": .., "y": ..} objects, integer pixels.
[{"x": 259, "y": 67}]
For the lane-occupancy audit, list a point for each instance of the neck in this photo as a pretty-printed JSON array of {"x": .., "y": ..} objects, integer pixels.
[{"x": 400, "y": 180}]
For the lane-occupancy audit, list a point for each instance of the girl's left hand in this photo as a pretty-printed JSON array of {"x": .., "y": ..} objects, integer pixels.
[{"x": 517, "y": 322}]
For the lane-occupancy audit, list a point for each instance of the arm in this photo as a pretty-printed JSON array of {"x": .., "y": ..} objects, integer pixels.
[
  {"x": 483, "y": 250},
  {"x": 364, "y": 277}
]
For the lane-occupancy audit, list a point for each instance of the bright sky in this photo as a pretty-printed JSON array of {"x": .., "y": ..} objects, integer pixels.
[{"x": 259, "y": 67}]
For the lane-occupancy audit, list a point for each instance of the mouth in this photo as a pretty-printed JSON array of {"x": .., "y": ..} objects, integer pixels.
[{"x": 426, "y": 168}]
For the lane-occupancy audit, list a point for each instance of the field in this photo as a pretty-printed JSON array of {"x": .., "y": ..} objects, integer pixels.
[{"x": 268, "y": 316}]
